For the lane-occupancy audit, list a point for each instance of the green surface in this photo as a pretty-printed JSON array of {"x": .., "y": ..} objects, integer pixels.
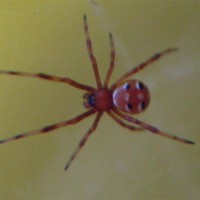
[{"x": 47, "y": 36}]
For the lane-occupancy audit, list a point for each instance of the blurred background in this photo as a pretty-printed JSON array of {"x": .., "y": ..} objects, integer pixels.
[{"x": 47, "y": 36}]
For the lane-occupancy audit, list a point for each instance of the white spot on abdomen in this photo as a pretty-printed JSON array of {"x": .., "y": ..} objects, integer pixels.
[{"x": 140, "y": 96}]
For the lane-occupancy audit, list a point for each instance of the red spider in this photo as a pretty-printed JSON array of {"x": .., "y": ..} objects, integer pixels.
[{"x": 123, "y": 98}]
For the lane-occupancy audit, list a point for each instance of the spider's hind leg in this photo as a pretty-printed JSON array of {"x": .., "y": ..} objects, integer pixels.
[
  {"x": 152, "y": 129},
  {"x": 146, "y": 63},
  {"x": 123, "y": 124}
]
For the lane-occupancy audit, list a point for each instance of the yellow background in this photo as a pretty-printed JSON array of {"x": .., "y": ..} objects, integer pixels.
[{"x": 47, "y": 36}]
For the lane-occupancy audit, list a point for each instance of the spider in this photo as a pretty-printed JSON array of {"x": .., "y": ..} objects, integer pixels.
[{"x": 120, "y": 101}]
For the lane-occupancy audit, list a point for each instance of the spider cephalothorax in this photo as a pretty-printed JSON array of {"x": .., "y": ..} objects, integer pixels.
[
  {"x": 128, "y": 96},
  {"x": 101, "y": 99}
]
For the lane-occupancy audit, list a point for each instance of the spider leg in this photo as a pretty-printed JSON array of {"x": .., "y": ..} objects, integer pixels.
[
  {"x": 112, "y": 60},
  {"x": 152, "y": 59},
  {"x": 151, "y": 128},
  {"x": 123, "y": 124},
  {"x": 50, "y": 78},
  {"x": 84, "y": 139},
  {"x": 50, "y": 127},
  {"x": 90, "y": 52}
]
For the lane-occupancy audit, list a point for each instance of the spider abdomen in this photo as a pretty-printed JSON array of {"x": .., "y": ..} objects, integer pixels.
[{"x": 131, "y": 96}]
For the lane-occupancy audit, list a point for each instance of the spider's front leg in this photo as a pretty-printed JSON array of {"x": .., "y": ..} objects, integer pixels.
[
  {"x": 91, "y": 54},
  {"x": 112, "y": 61},
  {"x": 49, "y": 128},
  {"x": 49, "y": 78}
]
